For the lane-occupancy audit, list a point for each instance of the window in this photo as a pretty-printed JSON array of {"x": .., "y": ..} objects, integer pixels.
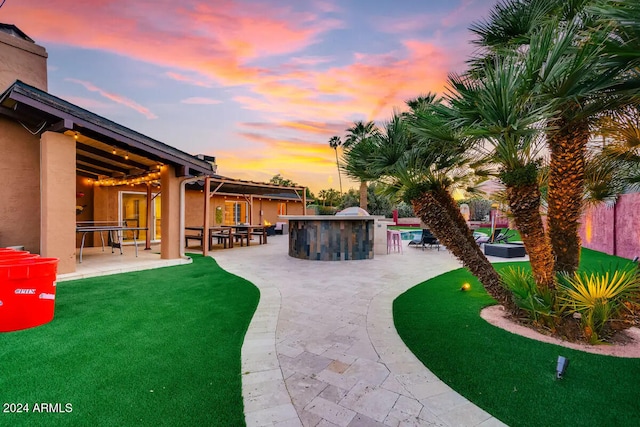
[
  {"x": 282, "y": 208},
  {"x": 235, "y": 213}
]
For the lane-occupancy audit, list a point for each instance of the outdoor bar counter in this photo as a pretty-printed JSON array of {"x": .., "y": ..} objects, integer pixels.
[{"x": 330, "y": 238}]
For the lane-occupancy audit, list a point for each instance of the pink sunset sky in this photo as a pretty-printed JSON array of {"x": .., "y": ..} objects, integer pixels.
[{"x": 261, "y": 85}]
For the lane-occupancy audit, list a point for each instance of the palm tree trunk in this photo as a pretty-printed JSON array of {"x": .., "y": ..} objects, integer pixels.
[
  {"x": 363, "y": 195},
  {"x": 338, "y": 166},
  {"x": 566, "y": 189},
  {"x": 434, "y": 209},
  {"x": 524, "y": 201}
]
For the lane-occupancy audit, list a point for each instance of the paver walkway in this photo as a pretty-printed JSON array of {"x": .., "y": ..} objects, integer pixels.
[{"x": 322, "y": 349}]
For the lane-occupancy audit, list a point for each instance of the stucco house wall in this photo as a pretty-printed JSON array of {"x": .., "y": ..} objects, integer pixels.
[
  {"x": 20, "y": 167},
  {"x": 19, "y": 187},
  {"x": 194, "y": 208}
]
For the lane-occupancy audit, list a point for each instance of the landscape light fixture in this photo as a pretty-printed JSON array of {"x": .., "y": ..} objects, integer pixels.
[
  {"x": 561, "y": 367},
  {"x": 465, "y": 287}
]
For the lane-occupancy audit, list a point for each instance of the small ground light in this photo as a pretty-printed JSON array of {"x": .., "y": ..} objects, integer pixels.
[
  {"x": 561, "y": 367},
  {"x": 465, "y": 287}
]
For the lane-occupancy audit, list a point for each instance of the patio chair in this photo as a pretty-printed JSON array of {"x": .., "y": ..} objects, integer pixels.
[
  {"x": 504, "y": 236},
  {"x": 489, "y": 239},
  {"x": 427, "y": 238}
]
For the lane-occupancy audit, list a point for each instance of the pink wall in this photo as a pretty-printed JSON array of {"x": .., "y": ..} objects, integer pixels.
[{"x": 597, "y": 229}]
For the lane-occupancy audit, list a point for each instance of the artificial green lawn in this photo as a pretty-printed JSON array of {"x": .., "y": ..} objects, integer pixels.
[
  {"x": 156, "y": 347},
  {"x": 511, "y": 377}
]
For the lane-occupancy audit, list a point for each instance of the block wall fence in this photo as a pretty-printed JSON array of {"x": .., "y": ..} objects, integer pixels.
[{"x": 613, "y": 229}]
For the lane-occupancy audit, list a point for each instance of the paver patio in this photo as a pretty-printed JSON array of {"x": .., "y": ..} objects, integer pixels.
[{"x": 322, "y": 349}]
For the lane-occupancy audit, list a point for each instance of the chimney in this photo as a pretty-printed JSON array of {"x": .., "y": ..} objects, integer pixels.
[{"x": 21, "y": 59}]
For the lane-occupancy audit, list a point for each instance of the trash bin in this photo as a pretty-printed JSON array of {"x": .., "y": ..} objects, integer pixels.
[
  {"x": 27, "y": 292},
  {"x": 12, "y": 255}
]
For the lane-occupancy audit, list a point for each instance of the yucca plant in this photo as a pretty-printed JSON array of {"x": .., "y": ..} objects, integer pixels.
[
  {"x": 598, "y": 296},
  {"x": 538, "y": 303}
]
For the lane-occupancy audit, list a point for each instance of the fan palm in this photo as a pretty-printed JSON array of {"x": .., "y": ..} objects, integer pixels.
[
  {"x": 360, "y": 133},
  {"x": 335, "y": 142},
  {"x": 614, "y": 167},
  {"x": 573, "y": 66},
  {"x": 421, "y": 158},
  {"x": 500, "y": 113}
]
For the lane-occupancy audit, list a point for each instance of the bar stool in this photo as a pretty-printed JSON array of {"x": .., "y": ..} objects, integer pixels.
[{"x": 394, "y": 241}]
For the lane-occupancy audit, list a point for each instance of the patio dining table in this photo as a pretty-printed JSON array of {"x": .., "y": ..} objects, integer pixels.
[
  {"x": 245, "y": 231},
  {"x": 239, "y": 233}
]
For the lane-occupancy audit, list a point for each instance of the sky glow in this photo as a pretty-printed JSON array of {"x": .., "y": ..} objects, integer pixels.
[{"x": 260, "y": 85}]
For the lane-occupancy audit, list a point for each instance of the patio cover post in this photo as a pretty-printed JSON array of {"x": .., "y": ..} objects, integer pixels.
[
  {"x": 205, "y": 222},
  {"x": 304, "y": 201},
  {"x": 57, "y": 208},
  {"x": 170, "y": 245},
  {"x": 147, "y": 240}
]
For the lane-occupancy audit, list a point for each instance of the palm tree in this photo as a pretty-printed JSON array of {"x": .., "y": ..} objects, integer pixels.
[
  {"x": 421, "y": 159},
  {"x": 335, "y": 142},
  {"x": 573, "y": 67},
  {"x": 614, "y": 167},
  {"x": 356, "y": 162},
  {"x": 496, "y": 109},
  {"x": 360, "y": 133}
]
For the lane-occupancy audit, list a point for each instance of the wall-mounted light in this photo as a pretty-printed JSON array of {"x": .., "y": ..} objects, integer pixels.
[{"x": 561, "y": 367}]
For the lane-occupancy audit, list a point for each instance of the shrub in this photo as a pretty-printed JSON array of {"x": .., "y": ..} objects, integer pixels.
[
  {"x": 599, "y": 296},
  {"x": 539, "y": 304},
  {"x": 405, "y": 210}
]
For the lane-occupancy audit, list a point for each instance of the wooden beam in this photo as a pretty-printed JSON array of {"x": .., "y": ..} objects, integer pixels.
[
  {"x": 103, "y": 165},
  {"x": 88, "y": 174},
  {"x": 81, "y": 167},
  {"x": 110, "y": 156},
  {"x": 61, "y": 126}
]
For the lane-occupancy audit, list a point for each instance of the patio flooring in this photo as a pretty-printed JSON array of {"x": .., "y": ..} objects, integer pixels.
[
  {"x": 95, "y": 262},
  {"x": 322, "y": 350}
]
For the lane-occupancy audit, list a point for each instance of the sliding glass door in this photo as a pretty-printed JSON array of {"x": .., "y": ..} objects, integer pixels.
[{"x": 133, "y": 212}]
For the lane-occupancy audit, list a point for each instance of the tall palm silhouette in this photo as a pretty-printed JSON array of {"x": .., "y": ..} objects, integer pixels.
[{"x": 334, "y": 143}]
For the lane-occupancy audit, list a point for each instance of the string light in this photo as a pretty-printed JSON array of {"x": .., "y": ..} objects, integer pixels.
[
  {"x": 113, "y": 151},
  {"x": 126, "y": 156},
  {"x": 153, "y": 177}
]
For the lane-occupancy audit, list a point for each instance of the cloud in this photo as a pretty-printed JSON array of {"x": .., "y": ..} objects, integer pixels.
[
  {"x": 308, "y": 127},
  {"x": 307, "y": 163},
  {"x": 200, "y": 100},
  {"x": 228, "y": 45},
  {"x": 116, "y": 98},
  {"x": 189, "y": 80},
  {"x": 218, "y": 41},
  {"x": 263, "y": 55}
]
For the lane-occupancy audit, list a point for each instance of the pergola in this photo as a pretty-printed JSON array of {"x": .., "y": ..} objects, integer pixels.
[{"x": 219, "y": 185}]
